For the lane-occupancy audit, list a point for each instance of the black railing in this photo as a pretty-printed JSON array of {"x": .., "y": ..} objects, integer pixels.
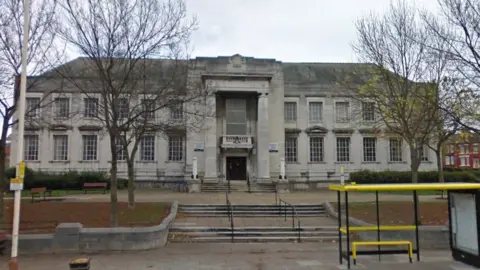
[
  {"x": 286, "y": 208},
  {"x": 230, "y": 216}
]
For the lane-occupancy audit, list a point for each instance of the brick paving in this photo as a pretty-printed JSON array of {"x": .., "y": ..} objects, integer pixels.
[{"x": 239, "y": 256}]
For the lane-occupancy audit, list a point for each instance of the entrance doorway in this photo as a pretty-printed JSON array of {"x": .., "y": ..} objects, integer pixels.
[{"x": 236, "y": 168}]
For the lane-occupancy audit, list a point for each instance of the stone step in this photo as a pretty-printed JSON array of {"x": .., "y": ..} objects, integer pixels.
[
  {"x": 178, "y": 227},
  {"x": 266, "y": 215},
  {"x": 249, "y": 205},
  {"x": 240, "y": 239}
]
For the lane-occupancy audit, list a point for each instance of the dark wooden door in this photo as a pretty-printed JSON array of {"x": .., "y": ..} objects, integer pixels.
[{"x": 236, "y": 168}]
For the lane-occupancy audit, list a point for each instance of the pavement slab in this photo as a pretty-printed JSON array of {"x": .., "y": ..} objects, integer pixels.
[{"x": 239, "y": 256}]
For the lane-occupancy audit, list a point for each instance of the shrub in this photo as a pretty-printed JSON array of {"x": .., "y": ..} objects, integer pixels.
[
  {"x": 68, "y": 180},
  {"x": 397, "y": 177}
]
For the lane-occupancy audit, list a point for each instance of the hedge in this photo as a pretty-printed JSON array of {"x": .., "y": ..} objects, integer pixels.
[
  {"x": 71, "y": 180},
  {"x": 392, "y": 177}
]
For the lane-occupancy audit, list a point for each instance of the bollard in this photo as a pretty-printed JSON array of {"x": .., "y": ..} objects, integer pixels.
[{"x": 80, "y": 264}]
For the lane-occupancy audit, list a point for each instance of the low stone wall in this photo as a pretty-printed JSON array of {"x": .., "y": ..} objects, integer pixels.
[
  {"x": 430, "y": 237},
  {"x": 74, "y": 238}
]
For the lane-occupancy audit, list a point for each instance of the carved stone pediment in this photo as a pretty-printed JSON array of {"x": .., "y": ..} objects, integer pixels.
[
  {"x": 368, "y": 131},
  {"x": 60, "y": 127},
  {"x": 89, "y": 128},
  {"x": 293, "y": 130},
  {"x": 316, "y": 130},
  {"x": 33, "y": 127},
  {"x": 343, "y": 130}
]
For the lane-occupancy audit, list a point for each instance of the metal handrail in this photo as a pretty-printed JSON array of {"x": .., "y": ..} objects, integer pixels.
[
  {"x": 230, "y": 216},
  {"x": 294, "y": 215}
]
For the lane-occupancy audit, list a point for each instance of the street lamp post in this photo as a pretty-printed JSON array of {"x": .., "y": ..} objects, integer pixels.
[{"x": 16, "y": 184}]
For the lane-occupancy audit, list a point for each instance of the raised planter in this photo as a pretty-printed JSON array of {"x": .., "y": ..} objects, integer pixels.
[
  {"x": 74, "y": 238},
  {"x": 430, "y": 237}
]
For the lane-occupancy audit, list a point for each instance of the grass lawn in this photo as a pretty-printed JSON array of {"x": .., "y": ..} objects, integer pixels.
[
  {"x": 42, "y": 217},
  {"x": 400, "y": 213}
]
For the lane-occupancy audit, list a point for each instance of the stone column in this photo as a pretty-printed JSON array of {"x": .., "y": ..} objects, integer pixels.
[
  {"x": 211, "y": 142},
  {"x": 263, "y": 139}
]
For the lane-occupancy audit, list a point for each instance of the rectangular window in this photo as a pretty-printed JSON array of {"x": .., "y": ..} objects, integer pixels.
[
  {"x": 121, "y": 153},
  {"x": 464, "y": 149},
  {"x": 290, "y": 111},
  {"x": 91, "y": 107},
  {"x": 175, "y": 148},
  {"x": 236, "y": 116},
  {"x": 32, "y": 108},
  {"x": 315, "y": 112},
  {"x": 30, "y": 151},
  {"x": 291, "y": 149},
  {"x": 451, "y": 148},
  {"x": 176, "y": 112},
  {"x": 425, "y": 153},
  {"x": 62, "y": 107},
  {"x": 395, "y": 147},
  {"x": 369, "y": 149},
  {"x": 476, "y": 163},
  {"x": 343, "y": 149},
  {"x": 368, "y": 111},
  {"x": 316, "y": 149},
  {"x": 60, "y": 147},
  {"x": 342, "y": 112},
  {"x": 147, "y": 148},
  {"x": 449, "y": 160},
  {"x": 465, "y": 161},
  {"x": 90, "y": 146},
  {"x": 148, "y": 107},
  {"x": 475, "y": 148},
  {"x": 123, "y": 108}
]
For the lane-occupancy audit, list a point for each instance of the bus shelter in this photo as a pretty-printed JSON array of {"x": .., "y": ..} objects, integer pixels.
[{"x": 463, "y": 214}]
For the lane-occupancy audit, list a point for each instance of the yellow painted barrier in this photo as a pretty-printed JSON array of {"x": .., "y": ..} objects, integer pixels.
[
  {"x": 382, "y": 228},
  {"x": 404, "y": 187},
  {"x": 382, "y": 243}
]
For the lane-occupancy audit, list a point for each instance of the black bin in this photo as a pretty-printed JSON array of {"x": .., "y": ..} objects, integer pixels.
[{"x": 80, "y": 264}]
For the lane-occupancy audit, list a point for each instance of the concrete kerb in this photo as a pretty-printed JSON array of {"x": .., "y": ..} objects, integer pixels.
[
  {"x": 74, "y": 238},
  {"x": 430, "y": 237}
]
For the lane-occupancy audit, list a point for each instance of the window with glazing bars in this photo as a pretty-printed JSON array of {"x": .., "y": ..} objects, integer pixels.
[
  {"x": 315, "y": 112},
  {"x": 32, "y": 108},
  {"x": 368, "y": 111},
  {"x": 90, "y": 146},
  {"x": 60, "y": 147},
  {"x": 316, "y": 149},
  {"x": 290, "y": 149},
  {"x": 343, "y": 149},
  {"x": 31, "y": 149},
  {"x": 121, "y": 153},
  {"x": 175, "y": 148},
  {"x": 395, "y": 147},
  {"x": 62, "y": 107},
  {"x": 91, "y": 107},
  {"x": 369, "y": 149},
  {"x": 147, "y": 148},
  {"x": 342, "y": 112},
  {"x": 290, "y": 111}
]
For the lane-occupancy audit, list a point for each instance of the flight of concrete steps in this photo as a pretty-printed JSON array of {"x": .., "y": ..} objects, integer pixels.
[
  {"x": 239, "y": 186},
  {"x": 190, "y": 232},
  {"x": 247, "y": 210}
]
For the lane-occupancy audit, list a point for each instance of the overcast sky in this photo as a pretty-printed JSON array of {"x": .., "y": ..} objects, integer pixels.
[{"x": 287, "y": 30}]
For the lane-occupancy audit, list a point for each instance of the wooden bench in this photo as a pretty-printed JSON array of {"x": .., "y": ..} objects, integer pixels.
[
  {"x": 95, "y": 186},
  {"x": 3, "y": 242},
  {"x": 39, "y": 192},
  {"x": 381, "y": 243}
]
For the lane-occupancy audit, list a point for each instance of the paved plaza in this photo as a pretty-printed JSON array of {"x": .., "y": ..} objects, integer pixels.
[{"x": 239, "y": 256}]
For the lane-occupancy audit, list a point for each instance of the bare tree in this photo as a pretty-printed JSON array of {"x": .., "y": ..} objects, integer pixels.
[
  {"x": 117, "y": 38},
  {"x": 42, "y": 49},
  {"x": 404, "y": 75},
  {"x": 456, "y": 26}
]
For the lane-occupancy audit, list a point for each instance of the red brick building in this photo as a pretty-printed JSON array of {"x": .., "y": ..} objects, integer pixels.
[{"x": 463, "y": 151}]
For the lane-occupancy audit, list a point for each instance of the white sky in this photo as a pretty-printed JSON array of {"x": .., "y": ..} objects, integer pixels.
[{"x": 287, "y": 30}]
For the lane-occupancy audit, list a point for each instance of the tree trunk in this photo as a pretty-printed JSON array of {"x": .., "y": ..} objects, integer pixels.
[
  {"x": 415, "y": 161},
  {"x": 438, "y": 153},
  {"x": 131, "y": 184},
  {"x": 113, "y": 183},
  {"x": 3, "y": 181}
]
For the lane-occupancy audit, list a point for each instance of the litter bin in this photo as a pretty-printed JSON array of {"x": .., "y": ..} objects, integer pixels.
[{"x": 80, "y": 264}]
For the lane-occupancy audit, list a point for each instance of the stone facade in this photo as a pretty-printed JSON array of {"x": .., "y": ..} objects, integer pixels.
[{"x": 300, "y": 112}]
